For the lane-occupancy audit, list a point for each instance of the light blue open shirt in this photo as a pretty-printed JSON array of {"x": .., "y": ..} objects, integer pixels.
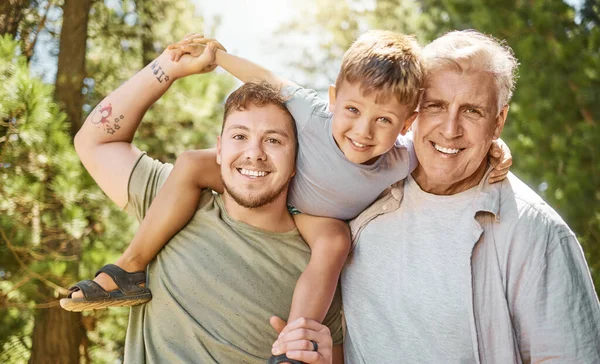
[{"x": 532, "y": 299}]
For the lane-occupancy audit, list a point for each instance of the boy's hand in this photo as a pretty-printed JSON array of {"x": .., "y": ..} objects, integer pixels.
[
  {"x": 194, "y": 55},
  {"x": 500, "y": 159}
]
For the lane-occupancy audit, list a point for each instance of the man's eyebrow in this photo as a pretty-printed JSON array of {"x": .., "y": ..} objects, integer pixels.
[
  {"x": 279, "y": 132},
  {"x": 434, "y": 100},
  {"x": 474, "y": 106},
  {"x": 238, "y": 126},
  {"x": 270, "y": 131}
]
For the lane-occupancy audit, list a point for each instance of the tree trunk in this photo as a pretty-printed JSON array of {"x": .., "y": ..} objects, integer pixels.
[
  {"x": 56, "y": 337},
  {"x": 58, "y": 334},
  {"x": 11, "y": 13},
  {"x": 71, "y": 60}
]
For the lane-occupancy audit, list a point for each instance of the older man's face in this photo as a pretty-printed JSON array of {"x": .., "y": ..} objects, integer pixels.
[
  {"x": 257, "y": 155},
  {"x": 458, "y": 120}
]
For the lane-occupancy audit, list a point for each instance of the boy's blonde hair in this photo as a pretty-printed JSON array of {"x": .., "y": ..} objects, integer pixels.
[{"x": 385, "y": 63}]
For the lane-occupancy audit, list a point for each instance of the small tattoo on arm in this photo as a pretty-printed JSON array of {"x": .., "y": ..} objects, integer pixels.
[
  {"x": 158, "y": 72},
  {"x": 101, "y": 117}
]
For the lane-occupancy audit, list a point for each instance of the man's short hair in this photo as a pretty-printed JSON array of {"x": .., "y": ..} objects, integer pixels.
[
  {"x": 257, "y": 94},
  {"x": 385, "y": 63},
  {"x": 470, "y": 50}
]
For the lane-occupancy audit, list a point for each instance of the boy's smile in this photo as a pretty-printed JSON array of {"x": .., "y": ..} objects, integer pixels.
[
  {"x": 365, "y": 126},
  {"x": 359, "y": 146}
]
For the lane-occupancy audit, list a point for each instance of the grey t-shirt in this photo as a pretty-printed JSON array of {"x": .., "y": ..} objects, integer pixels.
[
  {"x": 418, "y": 311},
  {"x": 326, "y": 182},
  {"x": 214, "y": 285}
]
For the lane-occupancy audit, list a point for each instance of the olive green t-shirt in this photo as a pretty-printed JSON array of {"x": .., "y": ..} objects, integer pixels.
[{"x": 214, "y": 285}]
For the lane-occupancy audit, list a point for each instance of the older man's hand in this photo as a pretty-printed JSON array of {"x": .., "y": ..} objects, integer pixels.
[{"x": 296, "y": 340}]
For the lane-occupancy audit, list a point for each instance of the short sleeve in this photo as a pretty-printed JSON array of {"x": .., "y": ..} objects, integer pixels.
[
  {"x": 302, "y": 103},
  {"x": 146, "y": 179},
  {"x": 334, "y": 318}
]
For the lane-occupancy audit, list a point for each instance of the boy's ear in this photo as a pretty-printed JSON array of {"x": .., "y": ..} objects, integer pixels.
[
  {"x": 408, "y": 122},
  {"x": 219, "y": 150},
  {"x": 331, "y": 97}
]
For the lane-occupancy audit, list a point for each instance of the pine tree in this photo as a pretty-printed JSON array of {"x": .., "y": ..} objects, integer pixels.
[{"x": 51, "y": 211}]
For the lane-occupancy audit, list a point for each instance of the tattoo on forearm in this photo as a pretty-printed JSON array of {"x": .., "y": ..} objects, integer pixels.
[
  {"x": 158, "y": 72},
  {"x": 102, "y": 117}
]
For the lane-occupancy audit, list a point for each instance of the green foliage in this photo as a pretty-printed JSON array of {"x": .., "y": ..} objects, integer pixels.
[
  {"x": 48, "y": 202},
  {"x": 552, "y": 127}
]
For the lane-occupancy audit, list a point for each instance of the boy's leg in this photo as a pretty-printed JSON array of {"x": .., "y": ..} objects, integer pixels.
[
  {"x": 171, "y": 209},
  {"x": 329, "y": 241}
]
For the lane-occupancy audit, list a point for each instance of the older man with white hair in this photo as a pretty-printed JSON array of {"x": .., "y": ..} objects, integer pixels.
[{"x": 447, "y": 268}]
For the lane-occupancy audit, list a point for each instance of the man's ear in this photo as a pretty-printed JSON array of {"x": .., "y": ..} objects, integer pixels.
[
  {"x": 408, "y": 122},
  {"x": 500, "y": 120},
  {"x": 331, "y": 97},
  {"x": 219, "y": 150}
]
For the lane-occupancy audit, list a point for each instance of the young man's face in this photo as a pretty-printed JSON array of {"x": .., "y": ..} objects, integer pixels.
[
  {"x": 256, "y": 152},
  {"x": 362, "y": 128},
  {"x": 458, "y": 119}
]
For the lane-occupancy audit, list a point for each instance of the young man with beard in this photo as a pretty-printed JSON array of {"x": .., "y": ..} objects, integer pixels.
[{"x": 235, "y": 264}]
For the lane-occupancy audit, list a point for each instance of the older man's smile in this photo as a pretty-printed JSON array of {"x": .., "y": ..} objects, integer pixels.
[{"x": 446, "y": 150}]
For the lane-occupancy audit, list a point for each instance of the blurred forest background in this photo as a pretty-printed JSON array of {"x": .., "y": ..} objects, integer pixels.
[{"x": 57, "y": 227}]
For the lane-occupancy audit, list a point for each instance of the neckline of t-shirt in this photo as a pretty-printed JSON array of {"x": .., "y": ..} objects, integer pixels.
[
  {"x": 242, "y": 225},
  {"x": 412, "y": 186},
  {"x": 340, "y": 154}
]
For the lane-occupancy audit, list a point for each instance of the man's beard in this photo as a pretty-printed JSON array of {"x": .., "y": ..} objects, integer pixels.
[{"x": 253, "y": 202}]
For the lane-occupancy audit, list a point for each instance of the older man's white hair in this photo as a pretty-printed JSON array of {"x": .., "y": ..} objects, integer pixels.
[{"x": 470, "y": 50}]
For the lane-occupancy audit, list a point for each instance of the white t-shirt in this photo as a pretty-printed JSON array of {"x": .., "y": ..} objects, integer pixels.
[{"x": 406, "y": 284}]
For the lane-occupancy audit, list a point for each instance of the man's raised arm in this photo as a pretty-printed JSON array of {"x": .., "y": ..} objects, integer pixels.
[{"x": 104, "y": 141}]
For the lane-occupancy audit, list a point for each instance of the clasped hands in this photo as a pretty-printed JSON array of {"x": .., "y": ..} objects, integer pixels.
[{"x": 194, "y": 54}]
